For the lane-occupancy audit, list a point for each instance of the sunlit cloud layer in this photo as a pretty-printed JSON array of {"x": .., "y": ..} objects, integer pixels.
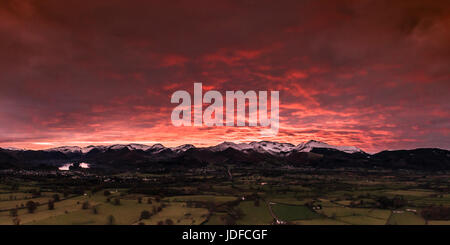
[{"x": 373, "y": 74}]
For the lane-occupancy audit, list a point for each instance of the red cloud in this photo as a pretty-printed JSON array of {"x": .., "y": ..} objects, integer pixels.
[{"x": 370, "y": 74}]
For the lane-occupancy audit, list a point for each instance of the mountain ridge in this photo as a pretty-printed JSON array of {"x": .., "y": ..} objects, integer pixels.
[
  {"x": 264, "y": 153},
  {"x": 270, "y": 147}
]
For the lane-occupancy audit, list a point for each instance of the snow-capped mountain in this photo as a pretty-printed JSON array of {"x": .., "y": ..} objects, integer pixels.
[
  {"x": 273, "y": 148},
  {"x": 225, "y": 145},
  {"x": 84, "y": 150},
  {"x": 156, "y": 148},
  {"x": 87, "y": 149},
  {"x": 182, "y": 148},
  {"x": 308, "y": 146},
  {"x": 265, "y": 153},
  {"x": 66, "y": 149},
  {"x": 130, "y": 147},
  {"x": 12, "y": 149}
]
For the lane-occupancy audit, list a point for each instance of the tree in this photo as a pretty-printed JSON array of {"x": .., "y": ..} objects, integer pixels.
[
  {"x": 31, "y": 206},
  {"x": 139, "y": 199},
  {"x": 51, "y": 204},
  {"x": 94, "y": 210},
  {"x": 85, "y": 205},
  {"x": 56, "y": 198},
  {"x": 111, "y": 220},
  {"x": 116, "y": 201},
  {"x": 145, "y": 214},
  {"x": 16, "y": 221}
]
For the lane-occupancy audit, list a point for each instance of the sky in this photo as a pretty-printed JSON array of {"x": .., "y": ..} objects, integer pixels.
[{"x": 372, "y": 74}]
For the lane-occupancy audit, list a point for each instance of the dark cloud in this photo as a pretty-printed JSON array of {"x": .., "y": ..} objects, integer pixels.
[{"x": 370, "y": 73}]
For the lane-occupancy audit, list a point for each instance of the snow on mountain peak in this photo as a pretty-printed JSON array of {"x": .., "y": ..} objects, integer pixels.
[
  {"x": 65, "y": 149},
  {"x": 273, "y": 148},
  {"x": 308, "y": 146},
  {"x": 182, "y": 148},
  {"x": 225, "y": 145},
  {"x": 138, "y": 147},
  {"x": 261, "y": 147},
  {"x": 87, "y": 149},
  {"x": 12, "y": 149},
  {"x": 157, "y": 147}
]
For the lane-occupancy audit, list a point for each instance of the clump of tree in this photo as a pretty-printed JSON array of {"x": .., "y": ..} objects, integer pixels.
[
  {"x": 116, "y": 201},
  {"x": 85, "y": 205},
  {"x": 31, "y": 206},
  {"x": 391, "y": 203},
  {"x": 145, "y": 214},
  {"x": 56, "y": 198},
  {"x": 110, "y": 220},
  {"x": 16, "y": 221},
  {"x": 51, "y": 204},
  {"x": 157, "y": 209},
  {"x": 436, "y": 213}
]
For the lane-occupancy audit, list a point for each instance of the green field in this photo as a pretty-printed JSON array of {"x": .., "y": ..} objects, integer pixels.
[
  {"x": 256, "y": 215},
  {"x": 70, "y": 212},
  {"x": 293, "y": 212},
  {"x": 250, "y": 197},
  {"x": 179, "y": 214},
  {"x": 406, "y": 218},
  {"x": 201, "y": 198},
  {"x": 319, "y": 221}
]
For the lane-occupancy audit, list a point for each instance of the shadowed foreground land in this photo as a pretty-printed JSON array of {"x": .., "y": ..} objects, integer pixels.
[{"x": 213, "y": 196}]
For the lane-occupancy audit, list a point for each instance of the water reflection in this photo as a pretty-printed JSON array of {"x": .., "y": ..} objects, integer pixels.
[{"x": 66, "y": 166}]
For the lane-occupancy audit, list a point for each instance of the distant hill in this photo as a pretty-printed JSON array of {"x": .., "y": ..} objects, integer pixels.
[{"x": 264, "y": 153}]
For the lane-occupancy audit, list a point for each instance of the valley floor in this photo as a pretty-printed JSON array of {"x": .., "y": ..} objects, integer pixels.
[{"x": 211, "y": 197}]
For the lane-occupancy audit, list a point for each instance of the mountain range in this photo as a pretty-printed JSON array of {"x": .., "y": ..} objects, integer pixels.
[{"x": 265, "y": 153}]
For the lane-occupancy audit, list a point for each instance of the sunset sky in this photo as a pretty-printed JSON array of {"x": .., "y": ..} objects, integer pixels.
[{"x": 373, "y": 74}]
